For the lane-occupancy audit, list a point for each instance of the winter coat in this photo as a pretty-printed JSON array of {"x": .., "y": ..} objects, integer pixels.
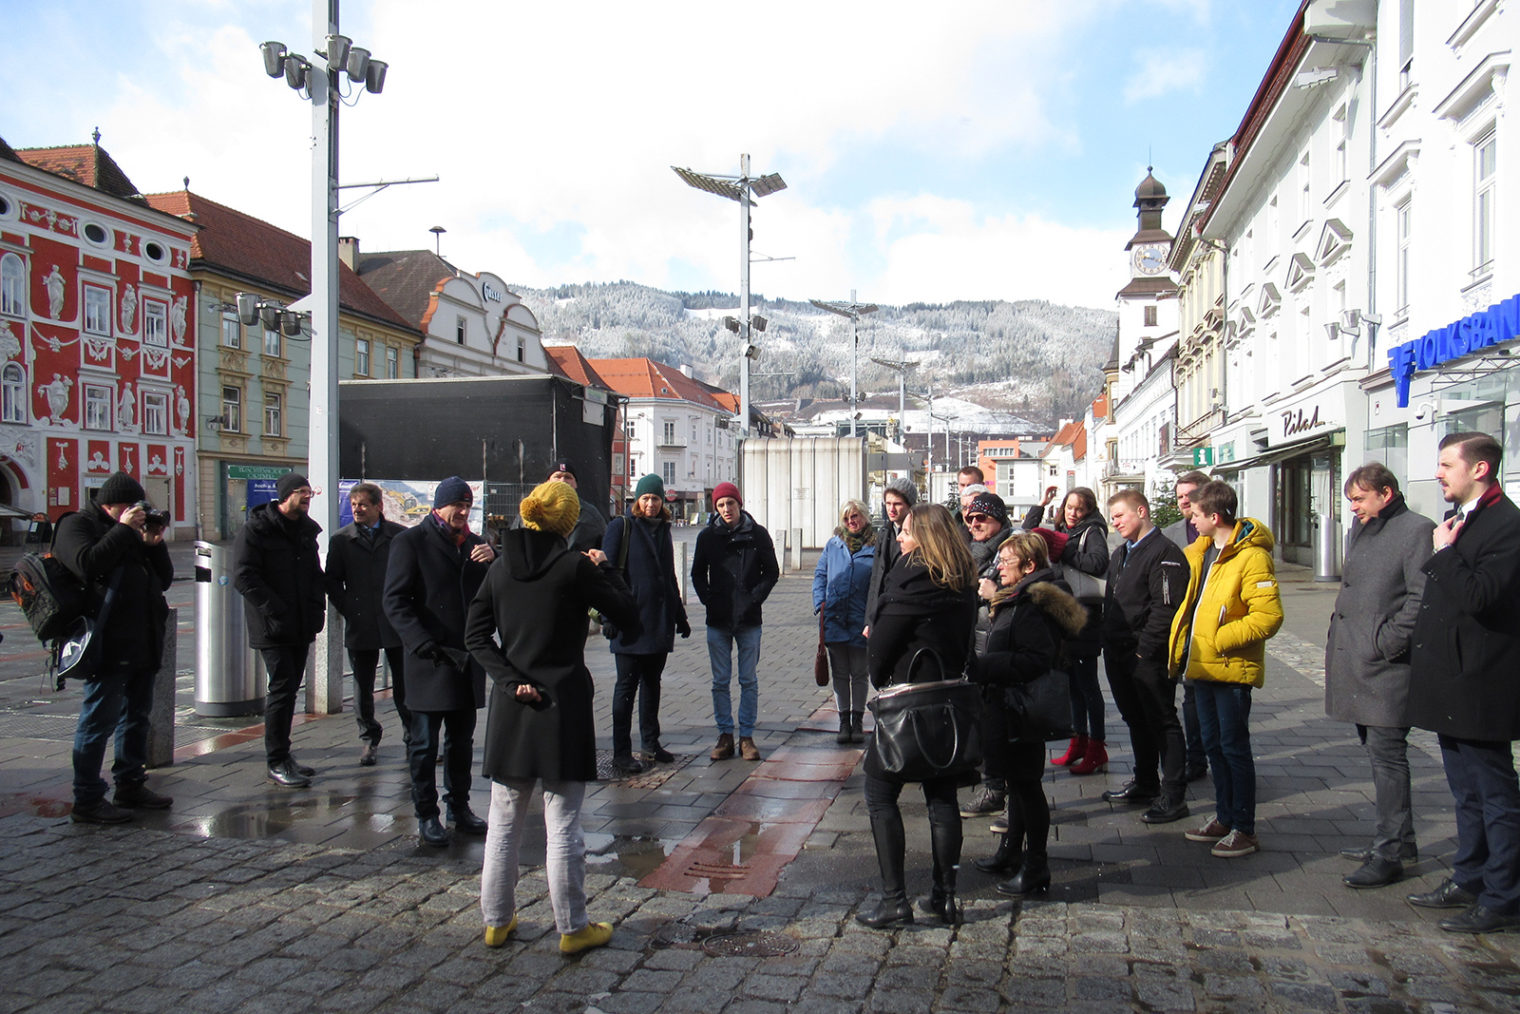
[
  {"x": 1029, "y": 632},
  {"x": 1367, "y": 649},
  {"x": 1239, "y": 608},
  {"x": 887, "y": 553},
  {"x": 98, "y": 551},
  {"x": 1145, "y": 586},
  {"x": 536, "y": 596},
  {"x": 733, "y": 571},
  {"x": 650, "y": 572},
  {"x": 1466, "y": 643},
  {"x": 278, "y": 572},
  {"x": 356, "y": 582},
  {"x": 915, "y": 613},
  {"x": 429, "y": 583},
  {"x": 841, "y": 585},
  {"x": 1086, "y": 552}
]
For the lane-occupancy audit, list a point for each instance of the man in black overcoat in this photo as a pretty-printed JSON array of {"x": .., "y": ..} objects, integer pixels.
[
  {"x": 1465, "y": 682},
  {"x": 434, "y": 572}
]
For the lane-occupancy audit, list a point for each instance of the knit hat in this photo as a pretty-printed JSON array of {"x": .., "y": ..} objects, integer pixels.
[
  {"x": 564, "y": 465},
  {"x": 452, "y": 490},
  {"x": 904, "y": 488},
  {"x": 1055, "y": 542},
  {"x": 991, "y": 505},
  {"x": 651, "y": 483},
  {"x": 120, "y": 487},
  {"x": 288, "y": 484},
  {"x": 551, "y": 507},
  {"x": 723, "y": 490}
]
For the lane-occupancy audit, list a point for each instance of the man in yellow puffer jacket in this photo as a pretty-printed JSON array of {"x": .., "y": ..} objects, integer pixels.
[{"x": 1218, "y": 641}]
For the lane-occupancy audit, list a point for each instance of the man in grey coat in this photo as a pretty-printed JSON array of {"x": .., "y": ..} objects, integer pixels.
[{"x": 1367, "y": 657}]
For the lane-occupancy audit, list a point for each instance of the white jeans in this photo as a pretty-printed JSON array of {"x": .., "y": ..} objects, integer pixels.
[{"x": 565, "y": 852}]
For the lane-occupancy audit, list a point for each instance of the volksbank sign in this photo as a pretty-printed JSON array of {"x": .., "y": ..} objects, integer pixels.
[{"x": 1473, "y": 333}]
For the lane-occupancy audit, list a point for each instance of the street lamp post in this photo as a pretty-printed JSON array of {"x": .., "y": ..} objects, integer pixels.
[
  {"x": 743, "y": 188},
  {"x": 901, "y": 367},
  {"x": 319, "y": 82},
  {"x": 852, "y": 310}
]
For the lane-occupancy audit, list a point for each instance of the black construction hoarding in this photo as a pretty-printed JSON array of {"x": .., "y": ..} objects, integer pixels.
[{"x": 507, "y": 431}]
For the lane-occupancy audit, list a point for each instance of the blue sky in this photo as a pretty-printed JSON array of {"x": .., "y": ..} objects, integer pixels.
[{"x": 981, "y": 151}]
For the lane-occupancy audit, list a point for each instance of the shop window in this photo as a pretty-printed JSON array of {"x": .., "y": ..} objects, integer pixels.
[
  {"x": 232, "y": 409},
  {"x": 274, "y": 415},
  {"x": 13, "y": 394},
  {"x": 97, "y": 310},
  {"x": 1486, "y": 418},
  {"x": 1390, "y": 445},
  {"x": 155, "y": 324},
  {"x": 12, "y": 286},
  {"x": 155, "y": 413},
  {"x": 361, "y": 357},
  {"x": 97, "y": 407},
  {"x": 1485, "y": 201},
  {"x": 232, "y": 331}
]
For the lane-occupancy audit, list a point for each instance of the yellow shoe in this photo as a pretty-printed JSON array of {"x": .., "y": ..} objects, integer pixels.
[
  {"x": 594, "y": 934},
  {"x": 497, "y": 935}
]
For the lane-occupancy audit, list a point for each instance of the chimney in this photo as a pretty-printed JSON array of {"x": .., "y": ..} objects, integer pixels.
[
  {"x": 348, "y": 251},
  {"x": 686, "y": 370}
]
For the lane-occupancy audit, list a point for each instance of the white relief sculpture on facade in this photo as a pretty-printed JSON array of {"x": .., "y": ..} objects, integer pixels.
[
  {"x": 10, "y": 345},
  {"x": 55, "y": 285},
  {"x": 126, "y": 407},
  {"x": 128, "y": 309},
  {"x": 181, "y": 410},
  {"x": 56, "y": 392}
]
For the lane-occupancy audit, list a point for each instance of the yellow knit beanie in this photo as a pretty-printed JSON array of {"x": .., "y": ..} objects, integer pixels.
[{"x": 551, "y": 507}]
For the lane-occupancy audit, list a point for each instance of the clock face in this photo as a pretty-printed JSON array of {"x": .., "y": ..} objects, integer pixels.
[{"x": 1149, "y": 258}]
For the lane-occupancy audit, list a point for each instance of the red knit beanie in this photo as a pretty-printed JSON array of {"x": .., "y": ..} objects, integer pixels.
[{"x": 724, "y": 490}]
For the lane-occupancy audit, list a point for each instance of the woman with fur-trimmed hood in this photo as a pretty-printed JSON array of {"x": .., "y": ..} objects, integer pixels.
[{"x": 1033, "y": 615}]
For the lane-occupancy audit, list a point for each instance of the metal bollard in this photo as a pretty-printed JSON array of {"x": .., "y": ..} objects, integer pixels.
[
  {"x": 683, "y": 568},
  {"x": 796, "y": 548},
  {"x": 161, "y": 720}
]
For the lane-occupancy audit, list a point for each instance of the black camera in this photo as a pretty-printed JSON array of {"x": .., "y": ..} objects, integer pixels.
[{"x": 153, "y": 520}]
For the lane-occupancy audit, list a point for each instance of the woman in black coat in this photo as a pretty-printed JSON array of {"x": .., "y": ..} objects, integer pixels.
[
  {"x": 1032, "y": 615},
  {"x": 927, "y": 604},
  {"x": 1083, "y": 563},
  {"x": 540, "y": 724},
  {"x": 639, "y": 546}
]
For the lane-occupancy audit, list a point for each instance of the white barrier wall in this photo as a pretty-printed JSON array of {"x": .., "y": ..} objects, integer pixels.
[{"x": 801, "y": 483}]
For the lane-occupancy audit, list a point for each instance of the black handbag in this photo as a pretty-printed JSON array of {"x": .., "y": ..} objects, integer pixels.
[
  {"x": 1040, "y": 711},
  {"x": 928, "y": 730}
]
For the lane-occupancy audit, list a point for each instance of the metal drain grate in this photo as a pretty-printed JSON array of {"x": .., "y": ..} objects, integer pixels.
[
  {"x": 715, "y": 871},
  {"x": 748, "y": 945}
]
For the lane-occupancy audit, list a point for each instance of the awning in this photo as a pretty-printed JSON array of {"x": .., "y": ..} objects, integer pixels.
[{"x": 1281, "y": 453}]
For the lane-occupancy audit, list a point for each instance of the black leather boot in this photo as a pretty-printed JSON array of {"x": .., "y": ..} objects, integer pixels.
[
  {"x": 945, "y": 840},
  {"x": 857, "y": 732},
  {"x": 891, "y": 844},
  {"x": 1008, "y": 857},
  {"x": 843, "y": 738},
  {"x": 1033, "y": 877}
]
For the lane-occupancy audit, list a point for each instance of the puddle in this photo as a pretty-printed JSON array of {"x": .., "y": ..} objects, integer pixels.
[
  {"x": 636, "y": 855},
  {"x": 264, "y": 819}
]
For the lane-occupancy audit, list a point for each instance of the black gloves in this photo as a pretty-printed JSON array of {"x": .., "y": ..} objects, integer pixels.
[{"x": 683, "y": 628}]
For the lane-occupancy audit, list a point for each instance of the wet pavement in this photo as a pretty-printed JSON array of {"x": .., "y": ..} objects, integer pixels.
[{"x": 734, "y": 885}]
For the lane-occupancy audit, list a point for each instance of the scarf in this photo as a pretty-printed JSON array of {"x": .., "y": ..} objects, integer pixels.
[
  {"x": 456, "y": 537},
  {"x": 853, "y": 541}
]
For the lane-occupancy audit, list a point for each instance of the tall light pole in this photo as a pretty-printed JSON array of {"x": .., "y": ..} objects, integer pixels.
[
  {"x": 319, "y": 82},
  {"x": 852, "y": 310},
  {"x": 743, "y": 188},
  {"x": 901, "y": 367}
]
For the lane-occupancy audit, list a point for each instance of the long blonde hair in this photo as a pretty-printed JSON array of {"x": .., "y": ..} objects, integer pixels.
[{"x": 940, "y": 548}]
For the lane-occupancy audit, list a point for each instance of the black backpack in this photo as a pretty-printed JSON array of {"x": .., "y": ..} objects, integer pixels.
[{"x": 49, "y": 594}]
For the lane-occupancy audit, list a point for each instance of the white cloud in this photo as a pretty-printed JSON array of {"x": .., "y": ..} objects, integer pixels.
[{"x": 1163, "y": 71}]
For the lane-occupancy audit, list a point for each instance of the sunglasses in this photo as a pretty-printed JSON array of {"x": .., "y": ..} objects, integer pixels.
[{"x": 976, "y": 519}]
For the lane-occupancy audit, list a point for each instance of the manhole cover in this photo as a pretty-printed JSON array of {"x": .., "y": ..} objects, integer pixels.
[
  {"x": 688, "y": 935},
  {"x": 755, "y": 945}
]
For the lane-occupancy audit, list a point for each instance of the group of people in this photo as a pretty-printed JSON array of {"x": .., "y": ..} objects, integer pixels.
[{"x": 1422, "y": 634}]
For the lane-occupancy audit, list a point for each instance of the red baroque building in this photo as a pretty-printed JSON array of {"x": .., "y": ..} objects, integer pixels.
[{"x": 97, "y": 334}]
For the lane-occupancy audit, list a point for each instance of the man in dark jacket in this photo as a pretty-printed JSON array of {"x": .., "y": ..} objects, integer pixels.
[
  {"x": 1147, "y": 579},
  {"x": 899, "y": 496},
  {"x": 435, "y": 570},
  {"x": 733, "y": 570},
  {"x": 1367, "y": 657},
  {"x": 1184, "y": 533},
  {"x": 278, "y": 572},
  {"x": 110, "y": 546},
  {"x": 986, "y": 518},
  {"x": 356, "y": 561},
  {"x": 1463, "y": 685}
]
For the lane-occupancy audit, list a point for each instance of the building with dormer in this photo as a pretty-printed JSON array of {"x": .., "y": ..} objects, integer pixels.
[{"x": 97, "y": 335}]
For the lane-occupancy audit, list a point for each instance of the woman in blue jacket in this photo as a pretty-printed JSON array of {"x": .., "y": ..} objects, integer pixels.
[{"x": 841, "y": 585}]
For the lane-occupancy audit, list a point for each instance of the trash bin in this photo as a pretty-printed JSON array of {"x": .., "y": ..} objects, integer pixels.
[{"x": 228, "y": 679}]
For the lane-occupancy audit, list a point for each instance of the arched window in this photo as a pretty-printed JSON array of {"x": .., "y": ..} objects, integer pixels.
[
  {"x": 13, "y": 394},
  {"x": 12, "y": 286}
]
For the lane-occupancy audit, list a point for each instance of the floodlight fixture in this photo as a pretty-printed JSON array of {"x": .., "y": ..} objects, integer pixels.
[
  {"x": 374, "y": 76},
  {"x": 248, "y": 308},
  {"x": 357, "y": 63},
  {"x": 768, "y": 184},
  {"x": 337, "y": 50},
  {"x": 732, "y": 323},
  {"x": 274, "y": 58},
  {"x": 290, "y": 323},
  {"x": 852, "y": 310},
  {"x": 296, "y": 69},
  {"x": 269, "y": 315},
  {"x": 752, "y": 353},
  {"x": 758, "y": 322},
  {"x": 710, "y": 184}
]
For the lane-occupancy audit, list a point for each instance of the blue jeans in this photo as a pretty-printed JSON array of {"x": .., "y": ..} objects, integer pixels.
[
  {"x": 119, "y": 703},
  {"x": 1224, "y": 713},
  {"x": 720, "y": 645}
]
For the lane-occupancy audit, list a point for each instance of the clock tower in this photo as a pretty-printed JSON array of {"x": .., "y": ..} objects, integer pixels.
[
  {"x": 1151, "y": 246},
  {"x": 1143, "y": 393}
]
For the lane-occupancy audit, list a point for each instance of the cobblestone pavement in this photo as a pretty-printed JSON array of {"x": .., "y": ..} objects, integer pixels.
[{"x": 248, "y": 898}]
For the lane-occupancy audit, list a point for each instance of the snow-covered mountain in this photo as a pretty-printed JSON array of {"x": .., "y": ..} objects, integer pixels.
[{"x": 1036, "y": 359}]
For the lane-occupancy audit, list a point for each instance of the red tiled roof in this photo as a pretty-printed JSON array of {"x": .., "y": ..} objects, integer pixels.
[
  {"x": 1073, "y": 433},
  {"x": 646, "y": 378},
  {"x": 87, "y": 164},
  {"x": 242, "y": 245},
  {"x": 567, "y": 361}
]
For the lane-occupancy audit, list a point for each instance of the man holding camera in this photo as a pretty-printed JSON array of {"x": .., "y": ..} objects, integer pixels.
[
  {"x": 116, "y": 547},
  {"x": 279, "y": 574}
]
